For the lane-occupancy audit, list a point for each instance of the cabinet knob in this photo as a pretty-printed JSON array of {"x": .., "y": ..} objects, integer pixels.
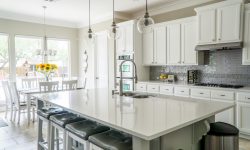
[{"x": 219, "y": 39}]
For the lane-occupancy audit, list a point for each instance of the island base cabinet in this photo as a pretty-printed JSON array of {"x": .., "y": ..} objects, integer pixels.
[
  {"x": 243, "y": 115},
  {"x": 226, "y": 116}
]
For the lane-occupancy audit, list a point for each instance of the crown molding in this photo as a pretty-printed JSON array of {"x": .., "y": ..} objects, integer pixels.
[{"x": 171, "y": 6}]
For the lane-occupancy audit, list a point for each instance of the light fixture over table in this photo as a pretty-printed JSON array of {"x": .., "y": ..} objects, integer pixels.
[
  {"x": 45, "y": 52},
  {"x": 90, "y": 32},
  {"x": 145, "y": 21},
  {"x": 114, "y": 32}
]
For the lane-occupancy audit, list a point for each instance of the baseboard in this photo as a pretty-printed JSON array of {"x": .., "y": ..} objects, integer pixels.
[{"x": 244, "y": 136}]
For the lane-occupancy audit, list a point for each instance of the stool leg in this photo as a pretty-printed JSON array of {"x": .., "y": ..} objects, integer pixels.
[
  {"x": 57, "y": 139},
  {"x": 64, "y": 140},
  {"x": 48, "y": 134},
  {"x": 40, "y": 133},
  {"x": 52, "y": 137},
  {"x": 68, "y": 141}
]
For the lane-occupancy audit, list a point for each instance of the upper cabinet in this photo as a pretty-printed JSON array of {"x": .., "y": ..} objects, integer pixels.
[
  {"x": 220, "y": 22},
  {"x": 246, "y": 49},
  {"x": 181, "y": 42},
  {"x": 126, "y": 42},
  {"x": 154, "y": 46}
]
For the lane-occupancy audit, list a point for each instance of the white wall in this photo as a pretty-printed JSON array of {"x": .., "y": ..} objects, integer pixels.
[{"x": 13, "y": 28}]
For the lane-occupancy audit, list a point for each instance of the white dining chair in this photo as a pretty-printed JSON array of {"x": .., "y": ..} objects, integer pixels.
[
  {"x": 29, "y": 83},
  {"x": 48, "y": 86},
  {"x": 8, "y": 99},
  {"x": 19, "y": 105},
  {"x": 69, "y": 85}
]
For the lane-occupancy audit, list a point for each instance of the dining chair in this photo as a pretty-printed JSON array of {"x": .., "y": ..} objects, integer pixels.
[
  {"x": 29, "y": 83},
  {"x": 8, "y": 99},
  {"x": 48, "y": 86},
  {"x": 18, "y": 104},
  {"x": 69, "y": 85}
]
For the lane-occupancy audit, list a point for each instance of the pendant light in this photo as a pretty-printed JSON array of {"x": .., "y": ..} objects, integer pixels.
[
  {"x": 114, "y": 32},
  {"x": 145, "y": 21},
  {"x": 45, "y": 52},
  {"x": 90, "y": 32}
]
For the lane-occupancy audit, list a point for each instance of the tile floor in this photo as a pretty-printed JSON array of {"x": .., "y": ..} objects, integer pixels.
[{"x": 22, "y": 137}]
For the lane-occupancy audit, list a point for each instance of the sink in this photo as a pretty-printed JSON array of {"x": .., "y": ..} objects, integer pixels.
[{"x": 141, "y": 96}]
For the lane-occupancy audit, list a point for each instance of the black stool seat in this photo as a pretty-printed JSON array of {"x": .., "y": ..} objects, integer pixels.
[
  {"x": 46, "y": 112},
  {"x": 112, "y": 140},
  {"x": 86, "y": 128},
  {"x": 66, "y": 118}
]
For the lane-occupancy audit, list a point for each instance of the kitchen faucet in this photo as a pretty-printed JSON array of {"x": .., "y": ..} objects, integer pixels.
[{"x": 121, "y": 76}]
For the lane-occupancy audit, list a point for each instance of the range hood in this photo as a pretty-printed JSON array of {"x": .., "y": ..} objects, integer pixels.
[{"x": 222, "y": 46}]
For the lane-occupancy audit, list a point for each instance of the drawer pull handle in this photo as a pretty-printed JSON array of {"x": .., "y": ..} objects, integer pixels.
[
  {"x": 248, "y": 98},
  {"x": 167, "y": 89},
  {"x": 153, "y": 88},
  {"x": 182, "y": 91},
  {"x": 222, "y": 95},
  {"x": 201, "y": 93}
]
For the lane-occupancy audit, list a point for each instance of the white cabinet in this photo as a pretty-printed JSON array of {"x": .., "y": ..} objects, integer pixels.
[
  {"x": 126, "y": 42},
  {"x": 243, "y": 117},
  {"x": 154, "y": 47},
  {"x": 148, "y": 48},
  {"x": 226, "y": 116},
  {"x": 228, "y": 23},
  {"x": 160, "y": 49},
  {"x": 188, "y": 42},
  {"x": 200, "y": 93},
  {"x": 166, "y": 90},
  {"x": 181, "y": 91},
  {"x": 220, "y": 22},
  {"x": 141, "y": 87},
  {"x": 206, "y": 26},
  {"x": 153, "y": 88},
  {"x": 246, "y": 49},
  {"x": 174, "y": 44},
  {"x": 182, "y": 39}
]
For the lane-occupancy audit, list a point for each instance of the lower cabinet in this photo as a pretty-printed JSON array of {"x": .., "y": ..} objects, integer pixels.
[
  {"x": 243, "y": 115},
  {"x": 226, "y": 116}
]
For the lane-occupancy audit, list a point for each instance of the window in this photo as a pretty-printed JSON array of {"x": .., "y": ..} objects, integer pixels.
[
  {"x": 61, "y": 59},
  {"x": 4, "y": 62},
  {"x": 26, "y": 55}
]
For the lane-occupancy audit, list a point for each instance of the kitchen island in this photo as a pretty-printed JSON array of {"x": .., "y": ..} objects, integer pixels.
[{"x": 154, "y": 123}]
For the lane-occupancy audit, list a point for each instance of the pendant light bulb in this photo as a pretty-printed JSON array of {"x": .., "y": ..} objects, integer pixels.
[
  {"x": 114, "y": 32},
  {"x": 144, "y": 22}
]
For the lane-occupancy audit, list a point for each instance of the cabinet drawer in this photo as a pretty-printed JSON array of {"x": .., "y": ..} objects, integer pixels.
[
  {"x": 166, "y": 90},
  {"x": 201, "y": 93},
  {"x": 181, "y": 91},
  {"x": 153, "y": 88},
  {"x": 223, "y": 95},
  {"x": 244, "y": 97},
  {"x": 141, "y": 87}
]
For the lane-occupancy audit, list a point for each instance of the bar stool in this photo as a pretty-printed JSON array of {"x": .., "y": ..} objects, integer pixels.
[
  {"x": 80, "y": 132},
  {"x": 110, "y": 140},
  {"x": 43, "y": 116},
  {"x": 58, "y": 123}
]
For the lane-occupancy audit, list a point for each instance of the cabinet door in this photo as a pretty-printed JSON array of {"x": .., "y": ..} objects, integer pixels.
[
  {"x": 148, "y": 48},
  {"x": 189, "y": 41},
  {"x": 229, "y": 24},
  {"x": 243, "y": 117},
  {"x": 160, "y": 49},
  {"x": 174, "y": 44},
  {"x": 206, "y": 27},
  {"x": 246, "y": 49},
  {"x": 226, "y": 116}
]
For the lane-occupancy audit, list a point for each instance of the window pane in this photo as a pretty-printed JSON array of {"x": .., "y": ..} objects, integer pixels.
[
  {"x": 4, "y": 63},
  {"x": 26, "y": 57},
  {"x": 62, "y": 56}
]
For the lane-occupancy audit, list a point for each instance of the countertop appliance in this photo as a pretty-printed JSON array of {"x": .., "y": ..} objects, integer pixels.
[
  {"x": 192, "y": 76},
  {"x": 219, "y": 85}
]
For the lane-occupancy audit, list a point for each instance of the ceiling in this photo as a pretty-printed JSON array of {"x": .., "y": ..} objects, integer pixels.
[{"x": 72, "y": 13}]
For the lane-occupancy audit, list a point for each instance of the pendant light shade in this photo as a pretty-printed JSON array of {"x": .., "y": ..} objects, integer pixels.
[
  {"x": 91, "y": 35},
  {"x": 145, "y": 21},
  {"x": 114, "y": 31}
]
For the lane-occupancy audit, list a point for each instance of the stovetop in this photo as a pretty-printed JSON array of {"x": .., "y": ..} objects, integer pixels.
[{"x": 219, "y": 85}]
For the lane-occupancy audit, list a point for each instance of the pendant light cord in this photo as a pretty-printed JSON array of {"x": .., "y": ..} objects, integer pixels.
[
  {"x": 89, "y": 14},
  {"x": 113, "y": 10},
  {"x": 44, "y": 20},
  {"x": 146, "y": 6}
]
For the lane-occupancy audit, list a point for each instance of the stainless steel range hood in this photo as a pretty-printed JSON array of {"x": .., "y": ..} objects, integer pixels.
[{"x": 223, "y": 46}]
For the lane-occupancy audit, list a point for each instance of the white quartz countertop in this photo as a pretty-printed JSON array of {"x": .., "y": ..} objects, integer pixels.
[{"x": 145, "y": 118}]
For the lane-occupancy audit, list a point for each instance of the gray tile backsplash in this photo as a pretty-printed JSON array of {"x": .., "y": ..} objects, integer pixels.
[{"x": 220, "y": 67}]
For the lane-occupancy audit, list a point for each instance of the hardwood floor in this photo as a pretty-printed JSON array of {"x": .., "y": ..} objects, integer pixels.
[{"x": 22, "y": 137}]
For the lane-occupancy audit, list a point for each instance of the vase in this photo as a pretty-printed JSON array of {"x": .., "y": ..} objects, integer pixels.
[{"x": 47, "y": 78}]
